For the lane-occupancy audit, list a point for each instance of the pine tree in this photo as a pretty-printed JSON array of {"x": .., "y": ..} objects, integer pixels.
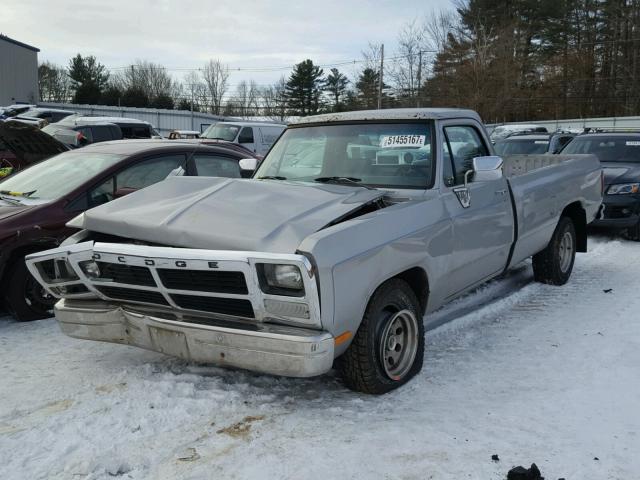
[
  {"x": 367, "y": 88},
  {"x": 336, "y": 84},
  {"x": 304, "y": 88},
  {"x": 88, "y": 79}
]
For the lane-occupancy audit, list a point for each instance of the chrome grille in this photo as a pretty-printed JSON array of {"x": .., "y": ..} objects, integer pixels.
[
  {"x": 119, "y": 273},
  {"x": 133, "y": 295},
  {"x": 204, "y": 281},
  {"x": 225, "y": 306}
]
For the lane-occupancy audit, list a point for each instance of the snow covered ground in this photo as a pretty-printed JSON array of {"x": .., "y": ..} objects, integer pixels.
[{"x": 540, "y": 374}]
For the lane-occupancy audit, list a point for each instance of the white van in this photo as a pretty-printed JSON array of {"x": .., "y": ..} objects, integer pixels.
[{"x": 257, "y": 137}]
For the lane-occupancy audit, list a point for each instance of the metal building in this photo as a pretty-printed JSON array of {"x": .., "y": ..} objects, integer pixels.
[{"x": 18, "y": 72}]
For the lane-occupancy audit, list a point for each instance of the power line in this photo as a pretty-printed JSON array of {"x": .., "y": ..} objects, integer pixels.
[{"x": 273, "y": 68}]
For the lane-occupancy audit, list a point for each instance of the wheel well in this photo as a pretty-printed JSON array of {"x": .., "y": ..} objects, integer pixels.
[
  {"x": 19, "y": 253},
  {"x": 417, "y": 279},
  {"x": 578, "y": 216}
]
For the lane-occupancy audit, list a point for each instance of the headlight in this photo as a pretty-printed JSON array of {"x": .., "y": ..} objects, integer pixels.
[
  {"x": 90, "y": 269},
  {"x": 623, "y": 188},
  {"x": 280, "y": 279}
]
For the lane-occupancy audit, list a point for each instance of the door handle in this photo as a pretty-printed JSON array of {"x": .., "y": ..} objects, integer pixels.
[{"x": 501, "y": 192}]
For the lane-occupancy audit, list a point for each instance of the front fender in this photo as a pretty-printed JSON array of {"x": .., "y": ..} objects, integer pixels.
[{"x": 355, "y": 257}]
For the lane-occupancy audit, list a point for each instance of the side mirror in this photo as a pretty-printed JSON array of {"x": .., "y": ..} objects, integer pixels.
[
  {"x": 248, "y": 165},
  {"x": 487, "y": 168},
  {"x": 121, "y": 192}
]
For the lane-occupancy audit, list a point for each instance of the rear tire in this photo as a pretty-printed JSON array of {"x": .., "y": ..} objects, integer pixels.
[
  {"x": 25, "y": 298},
  {"x": 388, "y": 348},
  {"x": 554, "y": 264}
]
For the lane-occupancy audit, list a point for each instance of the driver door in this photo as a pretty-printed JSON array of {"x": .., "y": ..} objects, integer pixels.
[{"x": 480, "y": 211}]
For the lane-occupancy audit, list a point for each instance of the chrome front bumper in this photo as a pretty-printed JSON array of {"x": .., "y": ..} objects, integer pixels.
[{"x": 273, "y": 349}]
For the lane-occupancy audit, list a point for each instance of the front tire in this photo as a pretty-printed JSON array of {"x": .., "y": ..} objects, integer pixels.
[
  {"x": 388, "y": 348},
  {"x": 554, "y": 264},
  {"x": 24, "y": 296}
]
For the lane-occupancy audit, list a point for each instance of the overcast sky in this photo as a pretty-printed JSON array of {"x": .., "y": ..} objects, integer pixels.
[{"x": 184, "y": 34}]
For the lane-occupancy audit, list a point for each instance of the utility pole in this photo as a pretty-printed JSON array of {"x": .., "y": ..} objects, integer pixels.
[
  {"x": 192, "y": 106},
  {"x": 419, "y": 79},
  {"x": 380, "y": 80}
]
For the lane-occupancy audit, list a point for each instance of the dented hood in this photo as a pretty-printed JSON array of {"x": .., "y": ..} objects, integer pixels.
[{"x": 226, "y": 214}]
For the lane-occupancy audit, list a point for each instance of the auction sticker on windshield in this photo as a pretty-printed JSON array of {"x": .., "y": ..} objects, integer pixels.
[{"x": 390, "y": 141}]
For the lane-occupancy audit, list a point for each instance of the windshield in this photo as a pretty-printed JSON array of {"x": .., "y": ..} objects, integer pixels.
[
  {"x": 222, "y": 131},
  {"x": 521, "y": 147},
  {"x": 614, "y": 148},
  {"x": 389, "y": 155},
  {"x": 59, "y": 175}
]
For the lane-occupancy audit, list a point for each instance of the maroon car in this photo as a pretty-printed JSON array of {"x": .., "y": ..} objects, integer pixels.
[{"x": 36, "y": 203}]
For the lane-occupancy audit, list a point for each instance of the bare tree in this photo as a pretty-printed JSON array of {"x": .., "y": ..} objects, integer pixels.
[
  {"x": 274, "y": 100},
  {"x": 149, "y": 77},
  {"x": 215, "y": 75},
  {"x": 53, "y": 83},
  {"x": 246, "y": 98},
  {"x": 194, "y": 90},
  {"x": 407, "y": 68},
  {"x": 371, "y": 56},
  {"x": 438, "y": 25}
]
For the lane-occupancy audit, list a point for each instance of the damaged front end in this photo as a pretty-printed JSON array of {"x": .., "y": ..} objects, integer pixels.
[{"x": 251, "y": 310}]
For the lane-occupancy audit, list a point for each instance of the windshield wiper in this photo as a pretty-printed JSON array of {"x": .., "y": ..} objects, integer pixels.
[
  {"x": 17, "y": 194},
  {"x": 271, "y": 177},
  {"x": 10, "y": 200},
  {"x": 343, "y": 181}
]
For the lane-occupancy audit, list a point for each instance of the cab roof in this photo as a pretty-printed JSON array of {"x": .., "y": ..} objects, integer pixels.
[{"x": 391, "y": 114}]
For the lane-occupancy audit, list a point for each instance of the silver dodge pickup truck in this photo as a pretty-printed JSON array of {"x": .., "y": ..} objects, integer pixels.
[{"x": 354, "y": 227}]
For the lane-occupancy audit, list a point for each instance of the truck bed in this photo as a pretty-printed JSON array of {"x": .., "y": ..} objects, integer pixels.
[
  {"x": 515, "y": 165},
  {"x": 542, "y": 186}
]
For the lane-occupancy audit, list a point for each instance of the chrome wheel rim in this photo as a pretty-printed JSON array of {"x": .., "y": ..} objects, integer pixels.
[
  {"x": 566, "y": 251},
  {"x": 399, "y": 344}
]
